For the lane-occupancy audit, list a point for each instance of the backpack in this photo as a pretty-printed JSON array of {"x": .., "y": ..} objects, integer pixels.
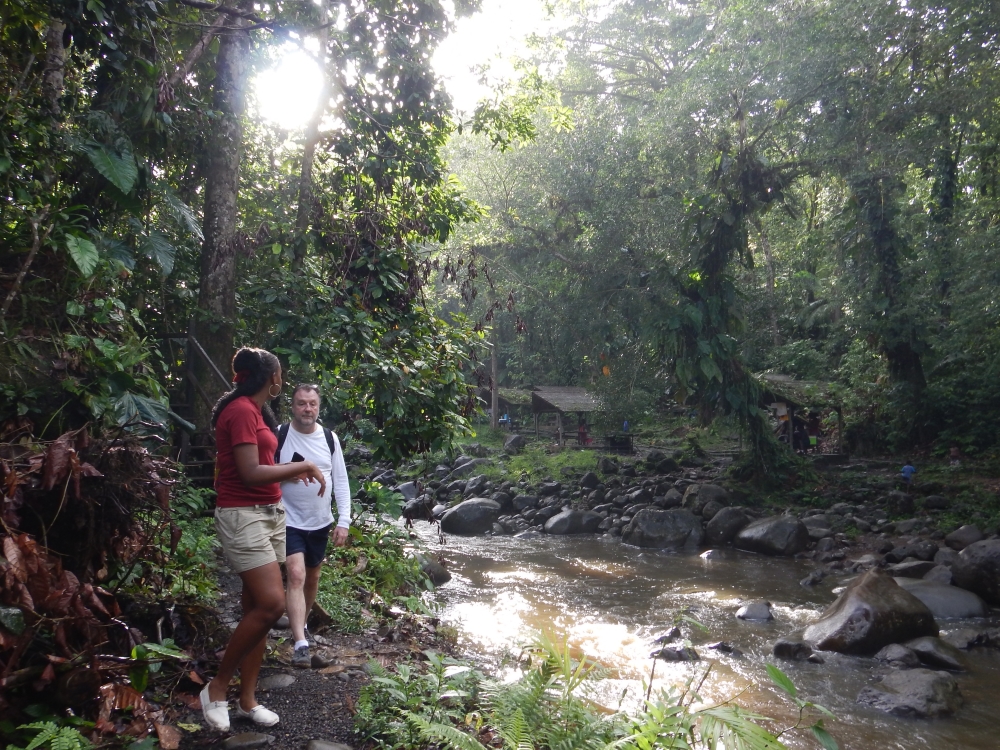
[{"x": 283, "y": 433}]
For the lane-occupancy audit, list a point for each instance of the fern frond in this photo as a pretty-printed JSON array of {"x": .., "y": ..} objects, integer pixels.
[
  {"x": 728, "y": 727},
  {"x": 442, "y": 734}
]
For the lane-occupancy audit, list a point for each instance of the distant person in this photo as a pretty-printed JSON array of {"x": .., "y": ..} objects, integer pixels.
[
  {"x": 906, "y": 474},
  {"x": 954, "y": 456},
  {"x": 310, "y": 523},
  {"x": 250, "y": 524}
]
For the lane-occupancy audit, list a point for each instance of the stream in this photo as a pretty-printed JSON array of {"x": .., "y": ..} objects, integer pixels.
[{"x": 611, "y": 601}]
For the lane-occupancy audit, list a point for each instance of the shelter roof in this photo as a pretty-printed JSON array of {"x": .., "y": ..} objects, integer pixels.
[
  {"x": 563, "y": 399},
  {"x": 799, "y": 393},
  {"x": 510, "y": 396}
]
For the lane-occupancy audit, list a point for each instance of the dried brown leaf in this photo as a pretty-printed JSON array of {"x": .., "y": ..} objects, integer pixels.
[
  {"x": 57, "y": 461},
  {"x": 13, "y": 554},
  {"x": 169, "y": 736}
]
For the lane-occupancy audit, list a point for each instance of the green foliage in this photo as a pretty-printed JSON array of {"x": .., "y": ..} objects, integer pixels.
[
  {"x": 148, "y": 658},
  {"x": 52, "y": 736},
  {"x": 374, "y": 568},
  {"x": 547, "y": 709},
  {"x": 392, "y": 707}
]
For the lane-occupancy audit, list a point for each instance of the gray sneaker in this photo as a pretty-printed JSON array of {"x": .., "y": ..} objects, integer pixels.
[{"x": 302, "y": 658}]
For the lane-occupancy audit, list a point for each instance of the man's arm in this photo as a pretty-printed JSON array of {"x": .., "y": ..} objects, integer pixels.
[{"x": 342, "y": 494}]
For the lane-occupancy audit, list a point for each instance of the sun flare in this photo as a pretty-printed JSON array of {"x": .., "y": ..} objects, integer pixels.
[{"x": 287, "y": 93}]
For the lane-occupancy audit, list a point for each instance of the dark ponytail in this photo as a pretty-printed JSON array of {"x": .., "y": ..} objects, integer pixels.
[{"x": 252, "y": 369}]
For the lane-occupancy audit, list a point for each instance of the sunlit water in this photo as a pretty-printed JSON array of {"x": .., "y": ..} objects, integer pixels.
[{"x": 611, "y": 601}]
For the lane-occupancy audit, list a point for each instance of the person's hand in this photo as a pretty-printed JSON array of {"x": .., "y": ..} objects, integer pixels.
[
  {"x": 338, "y": 535},
  {"x": 310, "y": 474}
]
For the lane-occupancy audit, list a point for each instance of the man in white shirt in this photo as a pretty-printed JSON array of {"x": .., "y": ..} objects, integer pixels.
[{"x": 309, "y": 518}]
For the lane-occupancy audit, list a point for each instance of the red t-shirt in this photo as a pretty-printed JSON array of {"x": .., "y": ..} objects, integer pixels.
[{"x": 241, "y": 422}]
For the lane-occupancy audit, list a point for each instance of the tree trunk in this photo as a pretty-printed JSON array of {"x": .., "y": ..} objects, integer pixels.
[
  {"x": 306, "y": 195},
  {"x": 217, "y": 289},
  {"x": 55, "y": 68},
  {"x": 772, "y": 303}
]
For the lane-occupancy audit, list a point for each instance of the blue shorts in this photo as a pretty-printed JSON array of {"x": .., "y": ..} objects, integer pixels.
[{"x": 312, "y": 544}]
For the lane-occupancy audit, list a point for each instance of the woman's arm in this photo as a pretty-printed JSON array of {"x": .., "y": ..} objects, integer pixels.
[{"x": 253, "y": 474}]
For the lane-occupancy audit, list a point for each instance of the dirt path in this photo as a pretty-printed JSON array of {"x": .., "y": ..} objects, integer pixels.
[{"x": 314, "y": 704}]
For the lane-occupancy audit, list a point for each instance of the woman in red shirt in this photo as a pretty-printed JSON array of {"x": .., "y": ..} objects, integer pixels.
[{"x": 250, "y": 523}]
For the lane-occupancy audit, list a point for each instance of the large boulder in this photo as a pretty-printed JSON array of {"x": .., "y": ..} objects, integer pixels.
[
  {"x": 607, "y": 465},
  {"x": 574, "y": 522},
  {"x": 408, "y": 490},
  {"x": 963, "y": 536},
  {"x": 514, "y": 444},
  {"x": 474, "y": 516},
  {"x": 724, "y": 525},
  {"x": 978, "y": 569},
  {"x": 936, "y": 653},
  {"x": 915, "y": 693},
  {"x": 945, "y": 602},
  {"x": 697, "y": 496},
  {"x": 434, "y": 570},
  {"x": 589, "y": 480},
  {"x": 664, "y": 529},
  {"x": 466, "y": 468},
  {"x": 776, "y": 535},
  {"x": 523, "y": 502},
  {"x": 872, "y": 612}
]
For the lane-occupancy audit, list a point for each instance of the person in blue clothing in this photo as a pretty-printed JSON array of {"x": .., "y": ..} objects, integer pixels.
[{"x": 906, "y": 474}]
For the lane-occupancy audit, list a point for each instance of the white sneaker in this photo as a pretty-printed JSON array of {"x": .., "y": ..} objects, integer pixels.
[
  {"x": 259, "y": 715},
  {"x": 216, "y": 713}
]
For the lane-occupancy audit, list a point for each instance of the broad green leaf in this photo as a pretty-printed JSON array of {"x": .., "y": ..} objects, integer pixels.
[
  {"x": 157, "y": 247},
  {"x": 120, "y": 171},
  {"x": 84, "y": 254},
  {"x": 780, "y": 679},
  {"x": 824, "y": 737}
]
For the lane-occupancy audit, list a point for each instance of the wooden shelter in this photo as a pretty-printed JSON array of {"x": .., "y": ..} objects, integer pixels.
[
  {"x": 560, "y": 400},
  {"x": 783, "y": 392},
  {"x": 511, "y": 401}
]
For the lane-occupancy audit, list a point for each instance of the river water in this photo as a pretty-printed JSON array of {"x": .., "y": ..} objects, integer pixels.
[{"x": 611, "y": 601}]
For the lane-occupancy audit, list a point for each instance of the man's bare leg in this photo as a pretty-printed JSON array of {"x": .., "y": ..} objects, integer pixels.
[
  {"x": 295, "y": 595},
  {"x": 311, "y": 588}
]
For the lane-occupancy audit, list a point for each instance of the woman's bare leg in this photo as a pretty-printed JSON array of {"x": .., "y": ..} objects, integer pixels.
[{"x": 263, "y": 603}]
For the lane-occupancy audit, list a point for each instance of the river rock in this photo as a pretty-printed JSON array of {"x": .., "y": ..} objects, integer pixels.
[
  {"x": 476, "y": 484},
  {"x": 408, "y": 490},
  {"x": 664, "y": 529},
  {"x": 676, "y": 653},
  {"x": 434, "y": 570},
  {"x": 963, "y": 536},
  {"x": 514, "y": 444},
  {"x": 696, "y": 496},
  {"x": 939, "y": 574},
  {"x": 872, "y": 612},
  {"x": 978, "y": 569},
  {"x": 523, "y": 502},
  {"x": 911, "y": 569},
  {"x": 466, "y": 468},
  {"x": 936, "y": 653},
  {"x": 473, "y": 516},
  {"x": 945, "y": 602},
  {"x": 915, "y": 693},
  {"x": 607, "y": 465},
  {"x": 922, "y": 549},
  {"x": 589, "y": 480},
  {"x": 759, "y": 611},
  {"x": 573, "y": 522},
  {"x": 672, "y": 499},
  {"x": 898, "y": 656},
  {"x": 776, "y": 535},
  {"x": 792, "y": 647},
  {"x": 724, "y": 525},
  {"x": 936, "y": 502},
  {"x": 710, "y": 508}
]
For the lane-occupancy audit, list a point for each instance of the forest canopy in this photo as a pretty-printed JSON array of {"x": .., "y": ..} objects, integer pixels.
[{"x": 677, "y": 197}]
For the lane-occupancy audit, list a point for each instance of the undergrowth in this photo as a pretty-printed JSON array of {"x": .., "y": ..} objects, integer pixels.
[{"x": 444, "y": 704}]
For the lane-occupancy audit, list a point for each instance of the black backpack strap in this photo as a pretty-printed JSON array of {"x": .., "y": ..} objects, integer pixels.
[
  {"x": 330, "y": 441},
  {"x": 282, "y": 434}
]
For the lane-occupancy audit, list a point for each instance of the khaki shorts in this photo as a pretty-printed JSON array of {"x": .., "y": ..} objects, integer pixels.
[{"x": 251, "y": 536}]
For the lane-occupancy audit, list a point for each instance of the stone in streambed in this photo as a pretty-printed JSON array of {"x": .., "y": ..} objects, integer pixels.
[
  {"x": 936, "y": 653},
  {"x": 758, "y": 611},
  {"x": 471, "y": 517},
  {"x": 664, "y": 529},
  {"x": 945, "y": 602},
  {"x": 962, "y": 537},
  {"x": 725, "y": 524},
  {"x": 898, "y": 656},
  {"x": 872, "y": 612},
  {"x": 573, "y": 522},
  {"x": 676, "y": 653},
  {"x": 777, "y": 535},
  {"x": 914, "y": 693},
  {"x": 978, "y": 569}
]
